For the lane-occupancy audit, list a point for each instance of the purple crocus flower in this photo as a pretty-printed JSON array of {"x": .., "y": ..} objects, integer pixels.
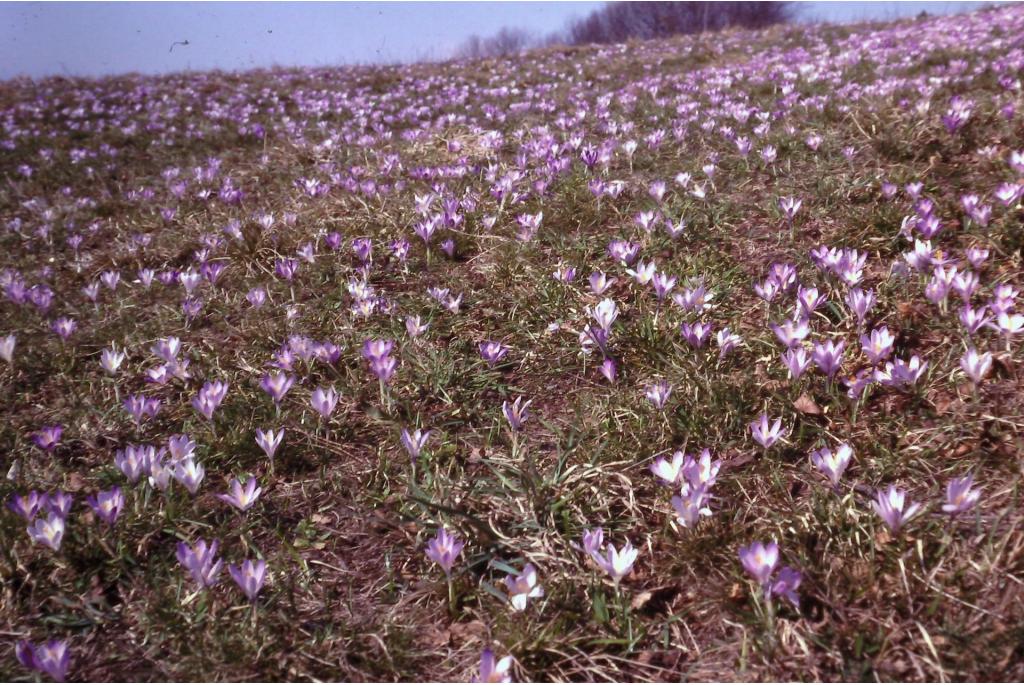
[
  {"x": 48, "y": 531},
  {"x": 976, "y": 365},
  {"x": 608, "y": 369},
  {"x": 767, "y": 435},
  {"x": 617, "y": 563},
  {"x": 107, "y": 504},
  {"x": 48, "y": 437},
  {"x": 658, "y": 393},
  {"x": 242, "y": 498},
  {"x": 695, "y": 334},
  {"x": 492, "y": 671},
  {"x": 277, "y": 385},
  {"x": 249, "y": 576},
  {"x": 492, "y": 352},
  {"x": 141, "y": 407},
  {"x": 516, "y": 413},
  {"x": 58, "y": 502},
  {"x": 51, "y": 658},
  {"x": 324, "y": 401},
  {"x": 64, "y": 327},
  {"x": 791, "y": 332},
  {"x": 414, "y": 442},
  {"x": 961, "y": 495},
  {"x": 200, "y": 560},
  {"x": 759, "y": 560},
  {"x": 878, "y": 346},
  {"x": 828, "y": 356},
  {"x": 796, "y": 360},
  {"x": 832, "y": 464},
  {"x": 523, "y": 587},
  {"x": 443, "y": 549},
  {"x": 189, "y": 473},
  {"x": 7, "y": 348},
  {"x": 892, "y": 507},
  {"x": 209, "y": 398},
  {"x": 786, "y": 584},
  {"x": 25, "y": 506},
  {"x": 269, "y": 441}
]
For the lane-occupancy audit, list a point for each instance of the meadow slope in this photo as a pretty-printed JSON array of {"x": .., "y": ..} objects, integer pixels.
[{"x": 746, "y": 303}]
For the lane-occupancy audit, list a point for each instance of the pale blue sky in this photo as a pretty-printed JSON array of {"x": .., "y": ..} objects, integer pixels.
[{"x": 94, "y": 38}]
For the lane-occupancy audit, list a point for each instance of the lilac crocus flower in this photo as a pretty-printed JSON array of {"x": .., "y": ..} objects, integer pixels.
[
  {"x": 64, "y": 327},
  {"x": 492, "y": 671},
  {"x": 51, "y": 658},
  {"x": 608, "y": 369},
  {"x": 180, "y": 447},
  {"x": 828, "y": 356},
  {"x": 617, "y": 562},
  {"x": 58, "y": 503},
  {"x": 209, "y": 398},
  {"x": 141, "y": 407},
  {"x": 766, "y": 435},
  {"x": 658, "y": 393},
  {"x": 796, "y": 360},
  {"x": 727, "y": 342},
  {"x": 860, "y": 302},
  {"x": 961, "y": 495},
  {"x": 669, "y": 471},
  {"x": 414, "y": 327},
  {"x": 269, "y": 441},
  {"x": 48, "y": 531},
  {"x": 786, "y": 584},
  {"x": 791, "y": 332},
  {"x": 444, "y": 549},
  {"x": 523, "y": 587},
  {"x": 516, "y": 413},
  {"x": 383, "y": 367},
  {"x": 48, "y": 437},
  {"x": 25, "y": 506},
  {"x": 200, "y": 560},
  {"x": 593, "y": 541},
  {"x": 249, "y": 576},
  {"x": 976, "y": 365},
  {"x": 324, "y": 401},
  {"x": 277, "y": 385},
  {"x": 189, "y": 473},
  {"x": 696, "y": 334},
  {"x": 878, "y": 346},
  {"x": 107, "y": 504},
  {"x": 760, "y": 560},
  {"x": 832, "y": 464},
  {"x": 414, "y": 442},
  {"x": 492, "y": 352},
  {"x": 892, "y": 507},
  {"x": 111, "y": 359},
  {"x": 690, "y": 504},
  {"x": 242, "y": 498},
  {"x": 7, "y": 348}
]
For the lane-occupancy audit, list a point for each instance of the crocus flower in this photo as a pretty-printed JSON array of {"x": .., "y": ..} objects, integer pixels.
[
  {"x": 107, "y": 504},
  {"x": 608, "y": 369},
  {"x": 492, "y": 352},
  {"x": 48, "y": 437},
  {"x": 668, "y": 471},
  {"x": 201, "y": 561},
  {"x": 960, "y": 495},
  {"x": 209, "y": 398},
  {"x": 690, "y": 504},
  {"x": 180, "y": 447},
  {"x": 7, "y": 348},
  {"x": 58, "y": 503},
  {"x": 878, "y": 346},
  {"x": 658, "y": 393},
  {"x": 277, "y": 385},
  {"x": 593, "y": 541},
  {"x": 796, "y": 360},
  {"x": 111, "y": 359},
  {"x": 324, "y": 401},
  {"x": 239, "y": 497},
  {"x": 414, "y": 442},
  {"x": 189, "y": 473},
  {"x": 48, "y": 531},
  {"x": 523, "y": 587},
  {"x": 414, "y": 327},
  {"x": 25, "y": 506},
  {"x": 759, "y": 560},
  {"x": 516, "y": 413},
  {"x": 828, "y": 356},
  {"x": 791, "y": 332},
  {"x": 832, "y": 464},
  {"x": 892, "y": 507},
  {"x": 51, "y": 658},
  {"x": 249, "y": 576},
  {"x": 492, "y": 671},
  {"x": 767, "y": 435},
  {"x": 786, "y": 584},
  {"x": 976, "y": 365},
  {"x": 269, "y": 441},
  {"x": 444, "y": 549},
  {"x": 617, "y": 563}
]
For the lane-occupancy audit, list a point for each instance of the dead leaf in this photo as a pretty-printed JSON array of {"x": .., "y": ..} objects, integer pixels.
[{"x": 806, "y": 405}]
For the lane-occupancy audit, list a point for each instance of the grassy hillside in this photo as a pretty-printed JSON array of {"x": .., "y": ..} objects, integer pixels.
[{"x": 814, "y": 225}]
